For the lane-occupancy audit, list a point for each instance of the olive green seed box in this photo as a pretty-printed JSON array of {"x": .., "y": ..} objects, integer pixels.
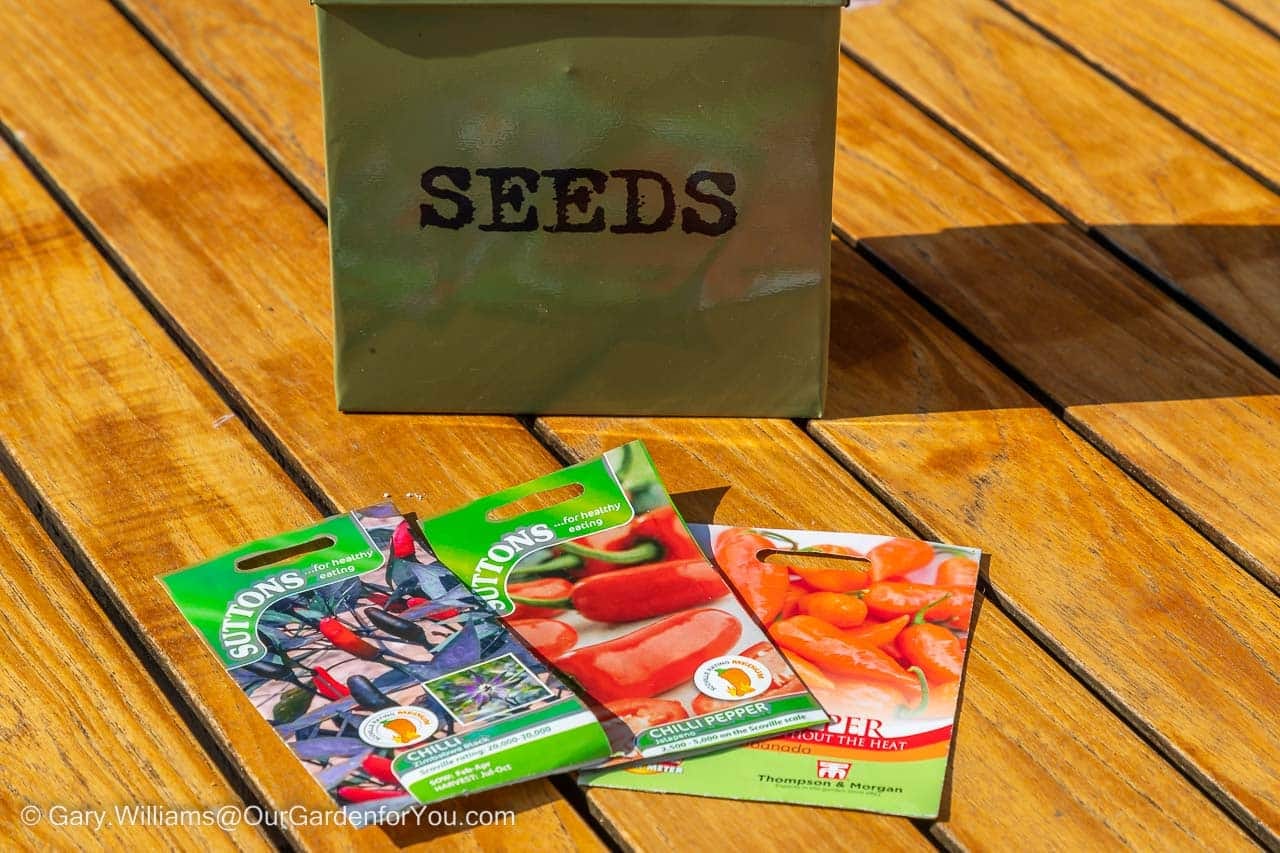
[{"x": 580, "y": 207}]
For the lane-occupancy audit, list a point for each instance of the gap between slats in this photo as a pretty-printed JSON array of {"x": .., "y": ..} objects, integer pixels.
[
  {"x": 1167, "y": 287},
  {"x": 112, "y": 609},
  {"x": 311, "y": 489},
  {"x": 1251, "y": 18},
  {"x": 1141, "y": 96}
]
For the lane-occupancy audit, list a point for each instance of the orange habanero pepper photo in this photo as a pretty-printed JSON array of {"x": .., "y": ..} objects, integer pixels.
[
  {"x": 856, "y": 576},
  {"x": 763, "y": 585},
  {"x": 932, "y": 648},
  {"x": 837, "y": 655},
  {"x": 896, "y": 557},
  {"x": 839, "y": 608},
  {"x": 957, "y": 571}
]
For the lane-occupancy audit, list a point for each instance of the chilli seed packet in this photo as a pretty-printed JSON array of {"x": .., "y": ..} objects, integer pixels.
[
  {"x": 610, "y": 587},
  {"x": 390, "y": 682},
  {"x": 881, "y": 643}
]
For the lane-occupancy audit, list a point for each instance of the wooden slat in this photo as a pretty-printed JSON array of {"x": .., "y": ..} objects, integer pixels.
[
  {"x": 91, "y": 377},
  {"x": 1207, "y": 66},
  {"x": 80, "y": 713},
  {"x": 1110, "y": 161},
  {"x": 442, "y": 461},
  {"x": 704, "y": 806},
  {"x": 893, "y": 833},
  {"x": 1024, "y": 721},
  {"x": 1265, "y": 12},
  {"x": 1146, "y": 609},
  {"x": 174, "y": 242},
  {"x": 249, "y": 52},
  {"x": 1182, "y": 410}
]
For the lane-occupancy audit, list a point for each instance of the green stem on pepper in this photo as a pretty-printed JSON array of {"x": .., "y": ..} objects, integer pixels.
[
  {"x": 561, "y": 563},
  {"x": 643, "y": 552},
  {"x": 773, "y": 534}
]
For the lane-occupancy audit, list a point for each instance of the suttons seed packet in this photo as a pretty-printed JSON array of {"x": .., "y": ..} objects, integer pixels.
[
  {"x": 390, "y": 682},
  {"x": 882, "y": 643},
  {"x": 611, "y": 588}
]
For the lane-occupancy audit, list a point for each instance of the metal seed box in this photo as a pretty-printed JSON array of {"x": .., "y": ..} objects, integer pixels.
[{"x": 583, "y": 207}]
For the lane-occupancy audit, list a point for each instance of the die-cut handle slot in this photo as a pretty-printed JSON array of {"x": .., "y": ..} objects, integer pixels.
[
  {"x": 266, "y": 559},
  {"x": 545, "y": 499},
  {"x": 815, "y": 560}
]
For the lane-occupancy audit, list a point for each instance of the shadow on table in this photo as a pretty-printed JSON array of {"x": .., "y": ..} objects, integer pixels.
[{"x": 1051, "y": 306}]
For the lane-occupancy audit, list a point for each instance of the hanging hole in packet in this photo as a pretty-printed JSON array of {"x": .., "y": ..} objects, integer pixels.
[
  {"x": 277, "y": 556},
  {"x": 823, "y": 560},
  {"x": 544, "y": 499}
]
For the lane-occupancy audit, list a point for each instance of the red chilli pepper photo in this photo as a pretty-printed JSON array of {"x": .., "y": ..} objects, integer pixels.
[
  {"x": 328, "y": 686},
  {"x": 653, "y": 659},
  {"x": 888, "y": 599},
  {"x": 354, "y": 794},
  {"x": 839, "y": 608},
  {"x": 641, "y": 714},
  {"x": 550, "y": 637},
  {"x": 549, "y": 590},
  {"x": 879, "y": 634},
  {"x": 640, "y": 592},
  {"x": 345, "y": 639},
  {"x": 402, "y": 541},
  {"x": 791, "y": 604},
  {"x": 379, "y": 767},
  {"x": 381, "y": 599},
  {"x": 656, "y": 536}
]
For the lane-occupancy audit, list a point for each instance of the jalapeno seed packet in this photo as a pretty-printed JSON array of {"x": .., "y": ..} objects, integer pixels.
[
  {"x": 882, "y": 643},
  {"x": 611, "y": 588},
  {"x": 390, "y": 682}
]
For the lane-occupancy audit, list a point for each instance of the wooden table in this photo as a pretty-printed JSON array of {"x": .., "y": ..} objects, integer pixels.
[{"x": 1056, "y": 336}]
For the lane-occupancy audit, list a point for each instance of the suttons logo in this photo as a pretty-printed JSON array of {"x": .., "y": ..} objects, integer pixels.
[
  {"x": 486, "y": 580},
  {"x": 239, "y": 622},
  {"x": 571, "y": 200},
  {"x": 833, "y": 769}
]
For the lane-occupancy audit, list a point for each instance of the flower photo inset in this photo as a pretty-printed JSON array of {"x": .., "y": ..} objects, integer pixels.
[{"x": 496, "y": 686}]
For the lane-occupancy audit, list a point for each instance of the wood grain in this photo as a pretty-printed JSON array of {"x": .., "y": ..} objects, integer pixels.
[
  {"x": 136, "y": 460},
  {"x": 1186, "y": 413},
  {"x": 1089, "y": 706},
  {"x": 1149, "y": 612},
  {"x": 1028, "y": 732},
  {"x": 1266, "y": 12},
  {"x": 249, "y": 53},
  {"x": 1209, "y": 67},
  {"x": 1110, "y": 161},
  {"x": 636, "y": 818},
  {"x": 170, "y": 235},
  {"x": 84, "y": 725}
]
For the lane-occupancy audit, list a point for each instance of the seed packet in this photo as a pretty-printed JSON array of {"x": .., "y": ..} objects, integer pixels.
[
  {"x": 881, "y": 642},
  {"x": 392, "y": 683},
  {"x": 610, "y": 587}
]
